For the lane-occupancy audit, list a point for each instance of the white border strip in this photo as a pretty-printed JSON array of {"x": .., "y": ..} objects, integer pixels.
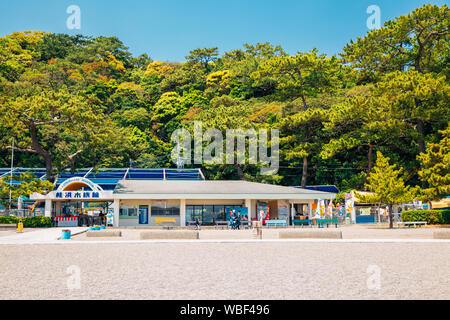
[{"x": 430, "y": 241}]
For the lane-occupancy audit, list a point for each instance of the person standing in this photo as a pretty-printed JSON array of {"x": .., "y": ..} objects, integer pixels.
[{"x": 197, "y": 223}]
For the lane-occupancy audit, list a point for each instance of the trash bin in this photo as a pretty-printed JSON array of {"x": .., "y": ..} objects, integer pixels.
[{"x": 65, "y": 234}]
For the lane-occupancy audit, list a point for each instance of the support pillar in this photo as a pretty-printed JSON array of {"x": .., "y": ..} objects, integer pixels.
[
  {"x": 183, "y": 212},
  {"x": 292, "y": 213},
  {"x": 58, "y": 208},
  {"x": 310, "y": 213},
  {"x": 248, "y": 205},
  {"x": 116, "y": 208},
  {"x": 48, "y": 208}
]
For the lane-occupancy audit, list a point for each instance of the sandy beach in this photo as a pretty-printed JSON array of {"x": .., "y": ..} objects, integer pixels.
[{"x": 266, "y": 270}]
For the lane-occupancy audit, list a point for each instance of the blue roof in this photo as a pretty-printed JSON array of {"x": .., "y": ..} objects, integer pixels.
[
  {"x": 331, "y": 189},
  {"x": 107, "y": 178},
  {"x": 36, "y": 172}
]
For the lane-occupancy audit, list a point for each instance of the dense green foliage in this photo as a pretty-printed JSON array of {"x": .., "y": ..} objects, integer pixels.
[
  {"x": 29, "y": 184},
  {"x": 387, "y": 186},
  {"x": 430, "y": 216},
  {"x": 74, "y": 101},
  {"x": 28, "y": 222},
  {"x": 436, "y": 167}
]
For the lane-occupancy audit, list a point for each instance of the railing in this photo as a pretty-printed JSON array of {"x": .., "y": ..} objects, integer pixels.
[{"x": 22, "y": 212}]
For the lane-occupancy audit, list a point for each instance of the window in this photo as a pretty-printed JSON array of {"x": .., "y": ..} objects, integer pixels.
[
  {"x": 206, "y": 214},
  {"x": 128, "y": 211},
  {"x": 165, "y": 211},
  {"x": 219, "y": 213}
]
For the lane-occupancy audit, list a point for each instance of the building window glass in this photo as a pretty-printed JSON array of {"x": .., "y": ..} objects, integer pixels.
[
  {"x": 165, "y": 211},
  {"x": 207, "y": 214},
  {"x": 128, "y": 211},
  {"x": 219, "y": 213}
]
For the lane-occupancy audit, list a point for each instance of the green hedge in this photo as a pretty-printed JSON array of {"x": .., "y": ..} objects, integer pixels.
[
  {"x": 430, "y": 216},
  {"x": 28, "y": 222}
]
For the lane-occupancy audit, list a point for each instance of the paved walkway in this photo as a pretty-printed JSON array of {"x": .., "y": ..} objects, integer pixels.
[
  {"x": 355, "y": 233},
  {"x": 38, "y": 236}
]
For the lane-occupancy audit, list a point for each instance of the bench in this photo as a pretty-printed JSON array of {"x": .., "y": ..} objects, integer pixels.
[
  {"x": 222, "y": 224},
  {"x": 411, "y": 223},
  {"x": 192, "y": 224},
  {"x": 302, "y": 222},
  {"x": 327, "y": 222},
  {"x": 166, "y": 223},
  {"x": 276, "y": 223}
]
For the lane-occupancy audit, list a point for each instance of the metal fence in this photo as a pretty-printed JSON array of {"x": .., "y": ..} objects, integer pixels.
[{"x": 22, "y": 212}]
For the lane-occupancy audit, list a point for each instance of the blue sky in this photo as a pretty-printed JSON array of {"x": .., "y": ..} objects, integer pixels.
[{"x": 168, "y": 29}]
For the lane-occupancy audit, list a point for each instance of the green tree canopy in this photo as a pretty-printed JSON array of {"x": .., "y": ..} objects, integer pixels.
[
  {"x": 436, "y": 168},
  {"x": 387, "y": 185}
]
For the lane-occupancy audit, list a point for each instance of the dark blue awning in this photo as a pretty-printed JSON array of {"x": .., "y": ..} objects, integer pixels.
[{"x": 331, "y": 189}]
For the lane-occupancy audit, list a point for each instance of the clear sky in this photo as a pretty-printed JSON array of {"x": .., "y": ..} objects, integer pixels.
[{"x": 167, "y": 29}]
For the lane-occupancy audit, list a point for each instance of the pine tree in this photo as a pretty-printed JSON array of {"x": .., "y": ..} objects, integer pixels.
[
  {"x": 436, "y": 168},
  {"x": 387, "y": 185}
]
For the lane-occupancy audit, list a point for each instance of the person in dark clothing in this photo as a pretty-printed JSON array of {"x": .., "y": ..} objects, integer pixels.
[
  {"x": 238, "y": 220},
  {"x": 197, "y": 223},
  {"x": 102, "y": 217}
]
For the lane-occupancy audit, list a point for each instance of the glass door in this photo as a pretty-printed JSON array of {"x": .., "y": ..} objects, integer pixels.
[
  {"x": 197, "y": 213},
  {"x": 143, "y": 214}
]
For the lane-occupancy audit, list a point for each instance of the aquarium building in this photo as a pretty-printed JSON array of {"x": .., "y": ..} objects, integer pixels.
[{"x": 148, "y": 197}]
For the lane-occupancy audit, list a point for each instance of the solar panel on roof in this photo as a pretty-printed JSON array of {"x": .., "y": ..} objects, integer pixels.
[
  {"x": 69, "y": 174},
  {"x": 4, "y": 172},
  {"x": 325, "y": 188},
  {"x": 105, "y": 173},
  {"x": 108, "y": 178},
  {"x": 37, "y": 173},
  {"x": 145, "y": 174},
  {"x": 189, "y": 174}
]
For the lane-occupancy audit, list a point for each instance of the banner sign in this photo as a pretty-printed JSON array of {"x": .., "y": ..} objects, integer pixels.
[
  {"x": 79, "y": 180},
  {"x": 78, "y": 195}
]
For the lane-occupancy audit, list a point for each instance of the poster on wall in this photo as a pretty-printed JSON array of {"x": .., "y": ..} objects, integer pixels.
[
  {"x": 350, "y": 206},
  {"x": 283, "y": 212},
  {"x": 263, "y": 211},
  {"x": 241, "y": 211},
  {"x": 143, "y": 214},
  {"x": 364, "y": 212},
  {"x": 110, "y": 219}
]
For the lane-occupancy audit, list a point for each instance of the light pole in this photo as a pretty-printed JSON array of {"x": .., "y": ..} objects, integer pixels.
[{"x": 11, "y": 173}]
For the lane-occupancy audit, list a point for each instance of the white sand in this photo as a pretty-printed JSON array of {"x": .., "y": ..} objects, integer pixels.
[{"x": 276, "y": 270}]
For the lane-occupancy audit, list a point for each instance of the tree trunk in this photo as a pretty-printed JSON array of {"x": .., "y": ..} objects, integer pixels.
[
  {"x": 421, "y": 140},
  {"x": 240, "y": 172},
  {"x": 370, "y": 159},
  {"x": 421, "y": 143},
  {"x": 391, "y": 216},
  {"x": 44, "y": 154},
  {"x": 304, "y": 171}
]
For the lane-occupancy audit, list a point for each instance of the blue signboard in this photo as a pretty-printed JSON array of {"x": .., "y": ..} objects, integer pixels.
[
  {"x": 143, "y": 214},
  {"x": 365, "y": 219}
]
